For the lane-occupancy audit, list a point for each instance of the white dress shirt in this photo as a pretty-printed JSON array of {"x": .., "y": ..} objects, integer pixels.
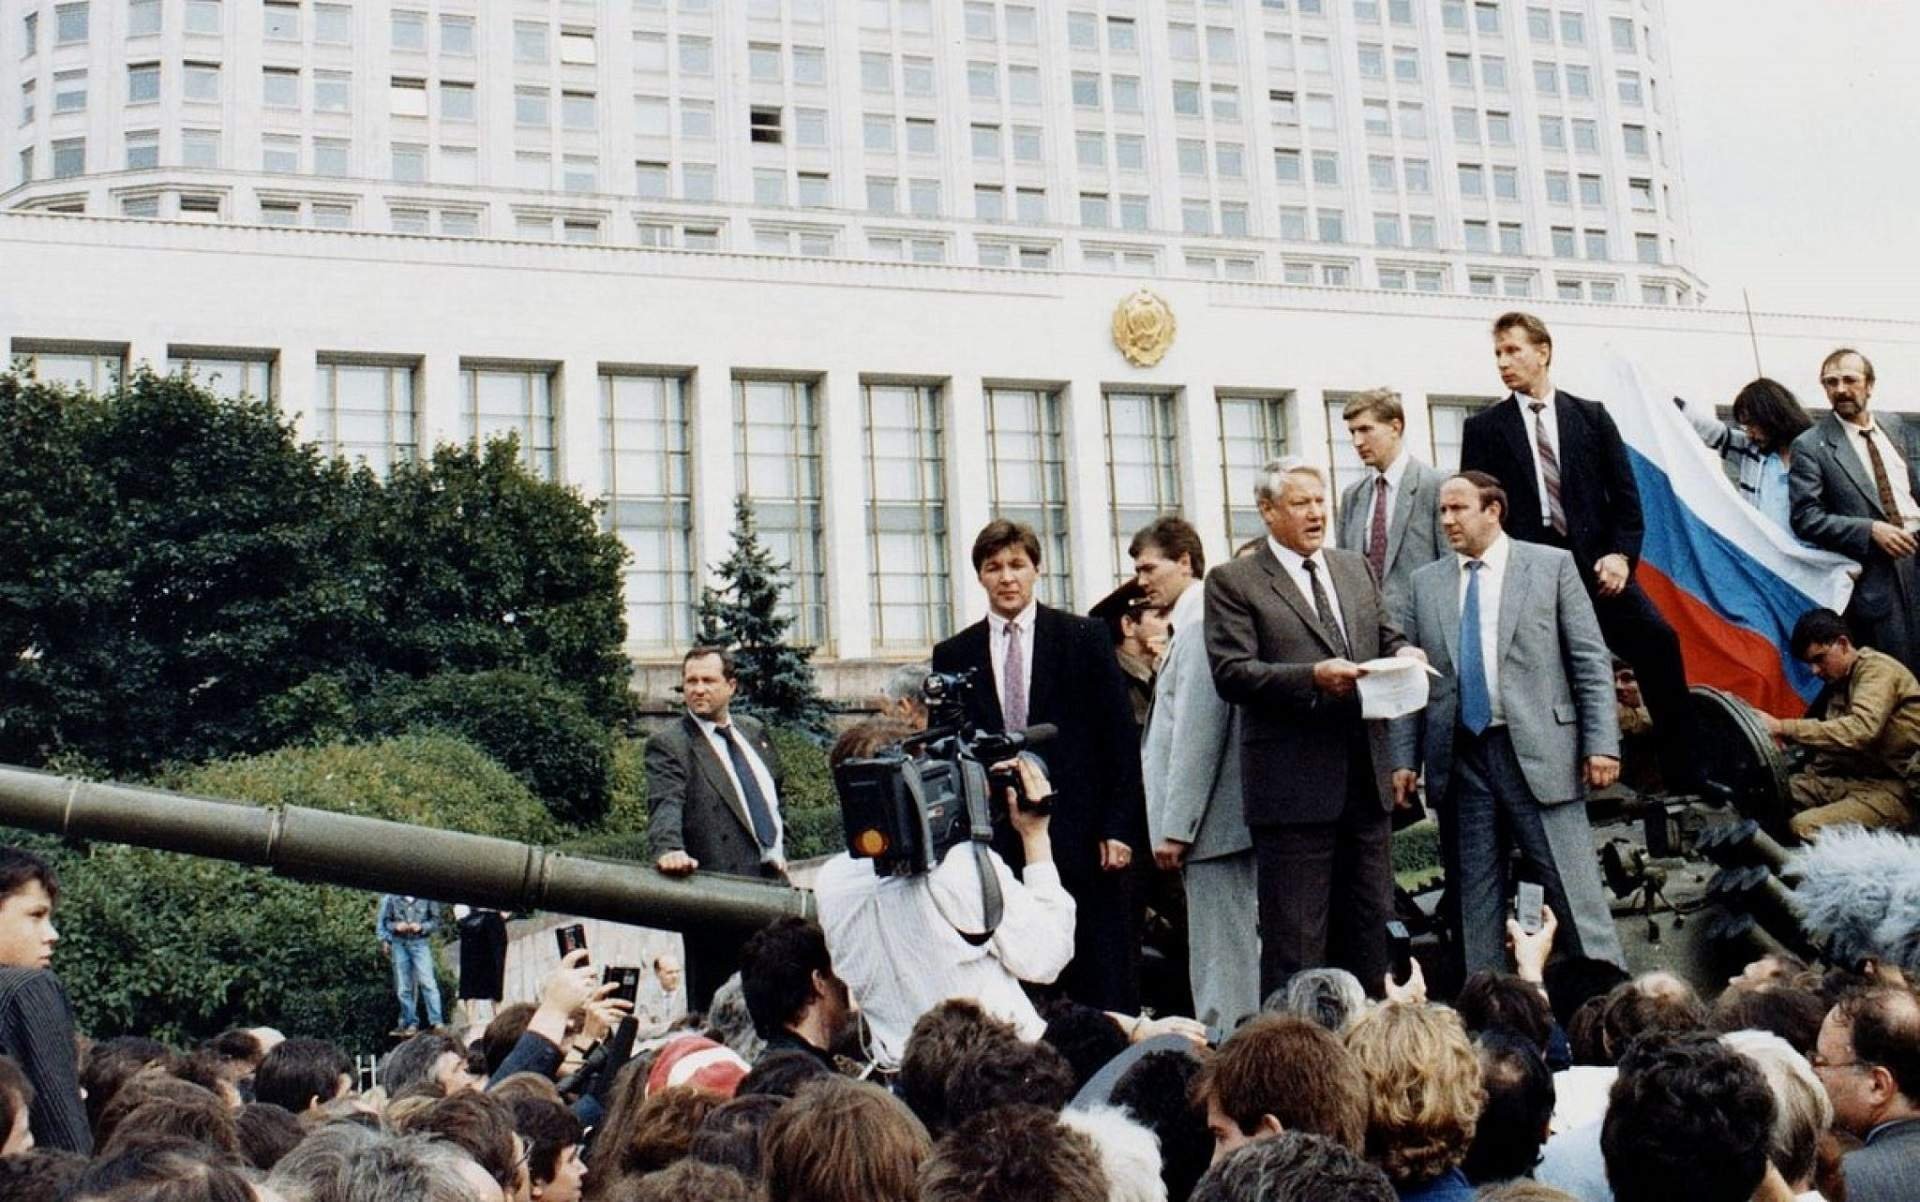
[
  {"x": 997, "y": 648},
  {"x": 1295, "y": 566},
  {"x": 1896, "y": 470},
  {"x": 776, "y": 854},
  {"x": 893, "y": 941},
  {"x": 1493, "y": 578},
  {"x": 1551, "y": 417}
]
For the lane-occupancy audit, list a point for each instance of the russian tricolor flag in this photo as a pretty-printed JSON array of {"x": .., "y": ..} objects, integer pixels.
[{"x": 1730, "y": 582}]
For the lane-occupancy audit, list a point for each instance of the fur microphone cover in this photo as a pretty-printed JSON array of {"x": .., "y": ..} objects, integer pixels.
[{"x": 1859, "y": 896}]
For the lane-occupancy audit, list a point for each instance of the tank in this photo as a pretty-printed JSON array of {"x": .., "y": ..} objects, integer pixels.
[{"x": 392, "y": 857}]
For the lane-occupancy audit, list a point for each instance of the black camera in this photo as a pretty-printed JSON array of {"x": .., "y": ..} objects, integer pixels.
[{"x": 906, "y": 805}]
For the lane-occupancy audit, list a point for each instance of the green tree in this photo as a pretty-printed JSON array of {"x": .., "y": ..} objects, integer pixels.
[{"x": 744, "y": 614}]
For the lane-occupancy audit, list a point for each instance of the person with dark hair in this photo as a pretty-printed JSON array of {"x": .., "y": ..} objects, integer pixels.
[
  {"x": 406, "y": 925},
  {"x": 1868, "y": 1058},
  {"x": 166, "y": 1108},
  {"x": 1688, "y": 1118},
  {"x": 645, "y": 1133},
  {"x": 781, "y": 1074},
  {"x": 1520, "y": 725},
  {"x": 843, "y": 1141},
  {"x": 1281, "y": 1073},
  {"x": 1391, "y": 513},
  {"x": 173, "y": 1170},
  {"x": 508, "y": 1025},
  {"x": 36, "y": 1017},
  {"x": 796, "y": 1001},
  {"x": 996, "y": 1074},
  {"x": 1139, "y": 634},
  {"x": 1570, "y": 485},
  {"x": 939, "y": 1039},
  {"x": 1190, "y": 768},
  {"x": 731, "y": 1135},
  {"x": 1294, "y": 1166},
  {"x": 1792, "y": 1013},
  {"x": 111, "y": 1063},
  {"x": 1086, "y": 1038},
  {"x": 1854, "y": 489},
  {"x": 1036, "y": 665},
  {"x": 303, "y": 1075},
  {"x": 714, "y": 783},
  {"x": 552, "y": 1137},
  {"x": 1014, "y": 1154},
  {"x": 42, "y": 1175},
  {"x": 266, "y": 1133},
  {"x": 428, "y": 1056},
  {"x": 1757, "y": 444},
  {"x": 1864, "y": 732},
  {"x": 1513, "y": 1124},
  {"x": 238, "y": 1052},
  {"x": 16, "y": 1106},
  {"x": 1156, "y": 1092}
]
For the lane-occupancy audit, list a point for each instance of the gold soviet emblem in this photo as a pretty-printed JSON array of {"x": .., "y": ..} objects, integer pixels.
[{"x": 1143, "y": 328}]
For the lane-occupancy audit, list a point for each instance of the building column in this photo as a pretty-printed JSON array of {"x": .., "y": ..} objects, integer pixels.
[
  {"x": 844, "y": 486},
  {"x": 576, "y": 418},
  {"x": 438, "y": 400},
  {"x": 969, "y": 490},
  {"x": 1089, "y": 506},
  {"x": 1202, "y": 492},
  {"x": 294, "y": 369},
  {"x": 710, "y": 421}
]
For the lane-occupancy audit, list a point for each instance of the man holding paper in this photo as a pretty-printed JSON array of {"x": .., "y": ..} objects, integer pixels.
[
  {"x": 1288, "y": 627},
  {"x": 1520, "y": 724}
]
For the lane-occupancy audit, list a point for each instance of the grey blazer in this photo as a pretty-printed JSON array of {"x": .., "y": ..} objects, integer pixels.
[
  {"x": 1835, "y": 504},
  {"x": 1190, "y": 758},
  {"x": 1413, "y": 528},
  {"x": 692, "y": 804},
  {"x": 1888, "y": 1168},
  {"x": 1556, "y": 675}
]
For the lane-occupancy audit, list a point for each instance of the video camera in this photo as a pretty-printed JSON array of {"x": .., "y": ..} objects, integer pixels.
[{"x": 907, "y": 805}]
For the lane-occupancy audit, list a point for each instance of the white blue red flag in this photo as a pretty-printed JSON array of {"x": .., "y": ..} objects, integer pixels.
[{"x": 1730, "y": 582}]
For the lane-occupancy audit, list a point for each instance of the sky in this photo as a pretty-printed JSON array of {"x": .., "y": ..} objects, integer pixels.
[{"x": 1800, "y": 131}]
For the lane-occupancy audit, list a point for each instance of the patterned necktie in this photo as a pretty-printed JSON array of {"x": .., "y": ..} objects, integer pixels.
[
  {"x": 1881, "y": 481},
  {"x": 1377, "y": 533},
  {"x": 1549, "y": 470},
  {"x": 1013, "y": 682},
  {"x": 1476, "y": 703},
  {"x": 757, "y": 808},
  {"x": 1324, "y": 608}
]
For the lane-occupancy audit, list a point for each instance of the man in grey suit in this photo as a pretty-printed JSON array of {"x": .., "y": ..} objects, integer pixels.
[
  {"x": 1854, "y": 488},
  {"x": 1190, "y": 762},
  {"x": 1392, "y": 515},
  {"x": 1518, "y": 726},
  {"x": 1288, "y": 627},
  {"x": 713, "y": 801},
  {"x": 1868, "y": 1059}
]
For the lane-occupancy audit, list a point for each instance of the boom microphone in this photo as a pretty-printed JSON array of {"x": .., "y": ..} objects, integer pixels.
[{"x": 1859, "y": 896}]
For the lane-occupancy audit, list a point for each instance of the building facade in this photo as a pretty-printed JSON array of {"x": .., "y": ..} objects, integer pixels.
[{"x": 691, "y": 249}]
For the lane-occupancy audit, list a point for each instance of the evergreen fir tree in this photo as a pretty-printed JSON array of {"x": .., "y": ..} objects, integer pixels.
[{"x": 776, "y": 677}]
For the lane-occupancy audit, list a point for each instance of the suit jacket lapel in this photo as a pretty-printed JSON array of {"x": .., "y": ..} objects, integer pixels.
[
  {"x": 716, "y": 773},
  {"x": 1450, "y": 616},
  {"x": 1838, "y": 439},
  {"x": 1403, "y": 504},
  {"x": 1048, "y": 653},
  {"x": 1513, "y": 595},
  {"x": 1349, "y": 586},
  {"x": 1284, "y": 585}
]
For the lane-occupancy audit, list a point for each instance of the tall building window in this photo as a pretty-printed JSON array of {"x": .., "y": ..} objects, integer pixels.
[
  {"x": 776, "y": 443},
  {"x": 365, "y": 411},
  {"x": 517, "y": 400},
  {"x": 1253, "y": 430},
  {"x": 90, "y": 367},
  {"x": 907, "y": 515},
  {"x": 1143, "y": 467},
  {"x": 643, "y": 428},
  {"x": 1027, "y": 478},
  {"x": 226, "y": 375},
  {"x": 1447, "y": 418}
]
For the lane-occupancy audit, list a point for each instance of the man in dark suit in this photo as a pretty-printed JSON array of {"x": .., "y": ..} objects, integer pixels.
[
  {"x": 1390, "y": 514},
  {"x": 1564, "y": 468},
  {"x": 713, "y": 798},
  {"x": 1035, "y": 665},
  {"x": 1287, "y": 629},
  {"x": 1853, "y": 485}
]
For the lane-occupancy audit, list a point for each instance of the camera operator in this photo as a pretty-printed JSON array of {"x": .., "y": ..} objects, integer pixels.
[{"x": 897, "y": 941}]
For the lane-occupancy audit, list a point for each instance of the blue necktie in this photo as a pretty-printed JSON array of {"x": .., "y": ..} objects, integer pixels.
[
  {"x": 757, "y": 808},
  {"x": 1476, "y": 705}
]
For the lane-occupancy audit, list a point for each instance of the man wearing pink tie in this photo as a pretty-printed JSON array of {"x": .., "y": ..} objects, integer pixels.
[
  {"x": 1390, "y": 515},
  {"x": 1034, "y": 664}
]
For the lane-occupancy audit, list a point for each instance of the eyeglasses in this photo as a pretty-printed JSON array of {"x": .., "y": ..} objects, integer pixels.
[{"x": 1819, "y": 1062}]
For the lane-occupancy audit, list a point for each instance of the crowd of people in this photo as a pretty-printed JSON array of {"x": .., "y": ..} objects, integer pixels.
[{"x": 973, "y": 1026}]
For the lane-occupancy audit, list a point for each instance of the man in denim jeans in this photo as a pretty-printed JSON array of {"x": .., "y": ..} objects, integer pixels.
[{"x": 405, "y": 927}]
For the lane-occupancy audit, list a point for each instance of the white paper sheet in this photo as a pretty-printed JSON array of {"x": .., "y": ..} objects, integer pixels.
[{"x": 1393, "y": 687}]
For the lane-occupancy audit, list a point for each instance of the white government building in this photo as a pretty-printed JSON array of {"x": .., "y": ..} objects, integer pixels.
[{"x": 860, "y": 259}]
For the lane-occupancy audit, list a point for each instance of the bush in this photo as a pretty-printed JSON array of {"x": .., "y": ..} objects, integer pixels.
[{"x": 180, "y": 948}]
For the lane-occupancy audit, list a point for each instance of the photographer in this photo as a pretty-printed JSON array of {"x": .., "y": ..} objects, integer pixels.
[{"x": 897, "y": 940}]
